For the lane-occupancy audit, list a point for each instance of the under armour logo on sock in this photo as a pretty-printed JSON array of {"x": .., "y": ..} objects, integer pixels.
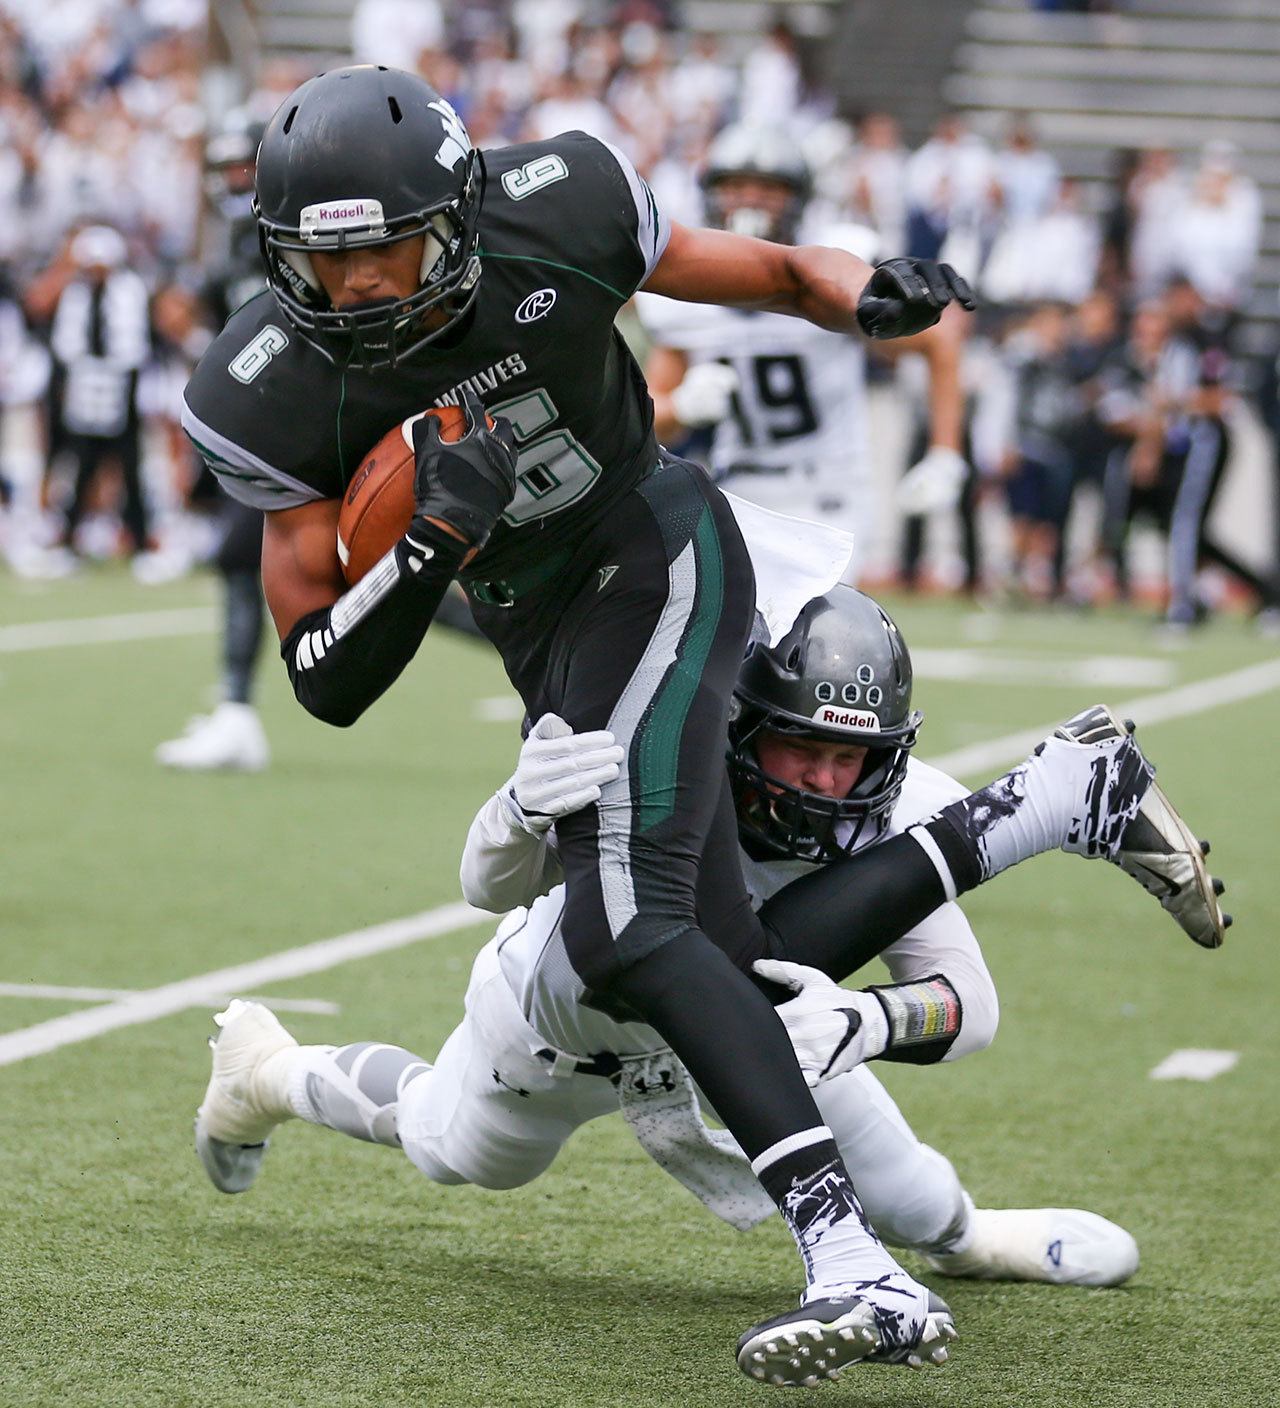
[{"x": 606, "y": 576}]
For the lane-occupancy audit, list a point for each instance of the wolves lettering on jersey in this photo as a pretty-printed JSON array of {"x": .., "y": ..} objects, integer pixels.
[{"x": 299, "y": 428}]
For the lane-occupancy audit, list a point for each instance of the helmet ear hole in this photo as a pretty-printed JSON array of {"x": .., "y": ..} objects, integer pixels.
[
  {"x": 396, "y": 115},
  {"x": 793, "y": 658}
]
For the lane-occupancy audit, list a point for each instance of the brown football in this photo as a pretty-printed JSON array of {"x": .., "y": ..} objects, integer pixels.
[{"x": 378, "y": 505}]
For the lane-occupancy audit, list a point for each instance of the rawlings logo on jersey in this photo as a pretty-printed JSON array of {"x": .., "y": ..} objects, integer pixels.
[
  {"x": 537, "y": 305},
  {"x": 855, "y": 720},
  {"x": 330, "y": 216},
  {"x": 456, "y": 143}
]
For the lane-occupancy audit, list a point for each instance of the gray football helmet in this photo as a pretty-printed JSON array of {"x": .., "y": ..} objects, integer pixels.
[
  {"x": 770, "y": 155},
  {"x": 843, "y": 674}
]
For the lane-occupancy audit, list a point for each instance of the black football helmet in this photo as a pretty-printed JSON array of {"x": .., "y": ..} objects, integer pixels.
[
  {"x": 843, "y": 674},
  {"x": 770, "y": 155},
  {"x": 369, "y": 156}
]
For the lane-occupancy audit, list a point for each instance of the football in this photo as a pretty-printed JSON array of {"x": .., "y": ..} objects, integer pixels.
[{"x": 378, "y": 505}]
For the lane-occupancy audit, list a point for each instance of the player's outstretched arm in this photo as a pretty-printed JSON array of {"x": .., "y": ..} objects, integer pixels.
[
  {"x": 830, "y": 287},
  {"x": 510, "y": 857},
  {"x": 343, "y": 650}
]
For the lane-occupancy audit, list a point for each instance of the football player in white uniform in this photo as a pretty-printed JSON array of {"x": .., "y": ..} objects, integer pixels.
[
  {"x": 786, "y": 400},
  {"x": 534, "y": 1059}
]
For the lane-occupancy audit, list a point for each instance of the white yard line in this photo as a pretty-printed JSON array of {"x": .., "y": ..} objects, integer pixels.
[
  {"x": 1014, "y": 668},
  {"x": 1194, "y": 1063},
  {"x": 328, "y": 953},
  {"x": 1147, "y": 709},
  {"x": 55, "y": 992},
  {"x": 164, "y": 1001},
  {"x": 103, "y": 630}
]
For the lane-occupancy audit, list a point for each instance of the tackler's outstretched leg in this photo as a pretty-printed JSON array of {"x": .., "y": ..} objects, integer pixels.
[{"x": 1087, "y": 789}]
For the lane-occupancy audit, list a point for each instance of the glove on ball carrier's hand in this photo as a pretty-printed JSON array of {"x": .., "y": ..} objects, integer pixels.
[
  {"x": 341, "y": 658},
  {"x": 906, "y": 296},
  {"x": 465, "y": 483}
]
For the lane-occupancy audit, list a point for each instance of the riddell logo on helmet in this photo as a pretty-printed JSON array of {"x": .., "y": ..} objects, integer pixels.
[
  {"x": 855, "y": 720},
  {"x": 356, "y": 214}
]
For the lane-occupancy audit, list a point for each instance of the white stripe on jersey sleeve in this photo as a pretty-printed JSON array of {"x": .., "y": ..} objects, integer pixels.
[
  {"x": 652, "y": 231},
  {"x": 243, "y": 475}
]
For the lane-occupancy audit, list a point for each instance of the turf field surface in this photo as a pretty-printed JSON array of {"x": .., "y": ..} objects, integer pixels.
[{"x": 344, "y": 1278}]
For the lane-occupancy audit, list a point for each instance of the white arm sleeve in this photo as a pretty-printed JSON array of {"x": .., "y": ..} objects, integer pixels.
[
  {"x": 503, "y": 865},
  {"x": 945, "y": 943}
]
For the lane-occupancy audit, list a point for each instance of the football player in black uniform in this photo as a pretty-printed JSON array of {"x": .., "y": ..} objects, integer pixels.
[{"x": 407, "y": 271}]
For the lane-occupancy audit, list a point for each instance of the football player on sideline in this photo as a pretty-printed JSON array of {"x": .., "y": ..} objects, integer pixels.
[
  {"x": 613, "y": 579},
  {"x": 786, "y": 399},
  {"x": 532, "y": 1060}
]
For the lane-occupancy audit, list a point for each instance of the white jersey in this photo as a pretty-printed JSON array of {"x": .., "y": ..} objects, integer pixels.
[
  {"x": 796, "y": 439},
  {"x": 503, "y": 864}
]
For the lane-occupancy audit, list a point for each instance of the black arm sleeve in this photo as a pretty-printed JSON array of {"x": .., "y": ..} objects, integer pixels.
[
  {"x": 342, "y": 658},
  {"x": 847, "y": 912}
]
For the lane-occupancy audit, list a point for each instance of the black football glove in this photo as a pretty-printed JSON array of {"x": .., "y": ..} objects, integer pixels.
[
  {"x": 905, "y": 296},
  {"x": 465, "y": 483}
]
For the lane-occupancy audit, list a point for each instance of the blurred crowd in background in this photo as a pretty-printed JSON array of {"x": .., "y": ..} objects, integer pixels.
[{"x": 1101, "y": 360}]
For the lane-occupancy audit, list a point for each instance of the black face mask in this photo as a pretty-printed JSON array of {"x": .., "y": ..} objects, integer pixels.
[{"x": 777, "y": 819}]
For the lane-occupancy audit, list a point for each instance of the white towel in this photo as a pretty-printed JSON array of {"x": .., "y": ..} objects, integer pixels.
[{"x": 794, "y": 561}]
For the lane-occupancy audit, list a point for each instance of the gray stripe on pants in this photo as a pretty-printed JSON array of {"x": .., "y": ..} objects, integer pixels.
[{"x": 614, "y": 809}]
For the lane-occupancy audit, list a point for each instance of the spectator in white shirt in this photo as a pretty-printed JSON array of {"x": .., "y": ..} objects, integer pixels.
[{"x": 1218, "y": 229}]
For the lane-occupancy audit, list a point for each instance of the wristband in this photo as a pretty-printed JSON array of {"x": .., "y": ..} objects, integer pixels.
[{"x": 924, "y": 1019}]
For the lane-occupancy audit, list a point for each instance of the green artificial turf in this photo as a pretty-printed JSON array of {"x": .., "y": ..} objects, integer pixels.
[{"x": 344, "y": 1278}]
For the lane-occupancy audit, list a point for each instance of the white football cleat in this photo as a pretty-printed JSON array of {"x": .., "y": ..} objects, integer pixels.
[
  {"x": 242, "y": 1103},
  {"x": 1126, "y": 818},
  {"x": 1063, "y": 1246},
  {"x": 892, "y": 1320},
  {"x": 230, "y": 739}
]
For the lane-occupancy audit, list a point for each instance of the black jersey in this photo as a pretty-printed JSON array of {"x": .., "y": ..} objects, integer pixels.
[{"x": 568, "y": 232}]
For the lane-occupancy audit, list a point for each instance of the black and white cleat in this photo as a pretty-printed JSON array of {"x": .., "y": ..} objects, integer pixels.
[
  {"x": 1128, "y": 819},
  {"x": 818, "y": 1341}
]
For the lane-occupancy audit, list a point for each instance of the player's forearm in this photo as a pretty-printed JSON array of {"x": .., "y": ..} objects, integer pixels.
[
  {"x": 342, "y": 657},
  {"x": 822, "y": 285},
  {"x": 809, "y": 281},
  {"x": 503, "y": 864},
  {"x": 940, "y": 347}
]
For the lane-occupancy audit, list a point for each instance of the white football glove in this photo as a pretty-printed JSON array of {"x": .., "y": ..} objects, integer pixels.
[
  {"x": 559, "y": 772},
  {"x": 705, "y": 394},
  {"x": 833, "y": 1029},
  {"x": 933, "y": 483}
]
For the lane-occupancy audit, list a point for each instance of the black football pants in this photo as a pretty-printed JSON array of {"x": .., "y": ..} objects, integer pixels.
[{"x": 643, "y": 634}]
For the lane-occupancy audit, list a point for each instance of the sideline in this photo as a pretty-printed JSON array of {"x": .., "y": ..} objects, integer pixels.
[{"x": 164, "y": 1001}]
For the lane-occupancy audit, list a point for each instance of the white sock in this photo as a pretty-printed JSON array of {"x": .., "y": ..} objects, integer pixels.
[
  {"x": 353, "y": 1089},
  {"x": 1069, "y": 795},
  {"x": 804, "y": 1176}
]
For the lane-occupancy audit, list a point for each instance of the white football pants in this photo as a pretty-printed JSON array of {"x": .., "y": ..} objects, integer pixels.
[{"x": 492, "y": 1113}]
